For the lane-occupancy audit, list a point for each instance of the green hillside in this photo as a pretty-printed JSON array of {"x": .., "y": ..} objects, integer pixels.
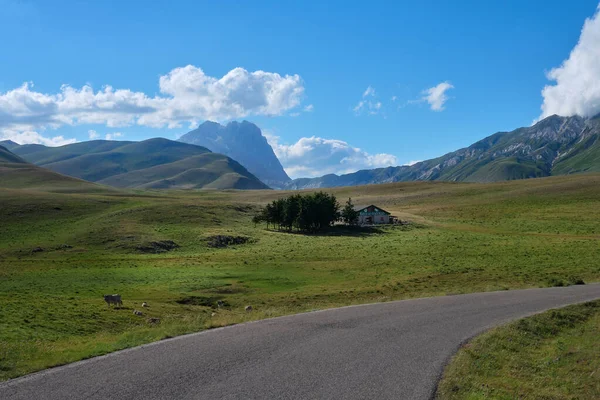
[
  {"x": 7, "y": 157},
  {"x": 16, "y": 173},
  {"x": 505, "y": 169},
  {"x": 584, "y": 157},
  {"x": 153, "y": 163},
  {"x": 208, "y": 170},
  {"x": 42, "y": 155}
]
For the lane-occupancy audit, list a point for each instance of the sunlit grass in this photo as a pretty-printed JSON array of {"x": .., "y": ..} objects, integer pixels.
[
  {"x": 462, "y": 238},
  {"x": 554, "y": 355}
]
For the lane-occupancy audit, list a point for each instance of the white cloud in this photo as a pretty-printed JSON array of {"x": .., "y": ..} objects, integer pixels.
[
  {"x": 113, "y": 136},
  {"x": 576, "y": 90},
  {"x": 368, "y": 103},
  {"x": 109, "y": 136},
  {"x": 436, "y": 96},
  {"x": 370, "y": 92},
  {"x": 187, "y": 95},
  {"x": 358, "y": 108},
  {"x": 309, "y": 108},
  {"x": 32, "y": 137},
  {"x": 411, "y": 163},
  {"x": 315, "y": 156},
  {"x": 394, "y": 98}
]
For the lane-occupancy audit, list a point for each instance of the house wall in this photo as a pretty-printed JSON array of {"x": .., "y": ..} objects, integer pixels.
[{"x": 377, "y": 218}]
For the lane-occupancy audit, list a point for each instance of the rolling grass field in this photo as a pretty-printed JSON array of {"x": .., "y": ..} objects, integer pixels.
[
  {"x": 553, "y": 355},
  {"x": 61, "y": 251}
]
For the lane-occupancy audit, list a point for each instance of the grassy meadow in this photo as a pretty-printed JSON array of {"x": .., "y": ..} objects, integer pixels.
[
  {"x": 553, "y": 355},
  {"x": 60, "y": 251}
]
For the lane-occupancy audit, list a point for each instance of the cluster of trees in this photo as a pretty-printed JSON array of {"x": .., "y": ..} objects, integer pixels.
[{"x": 306, "y": 213}]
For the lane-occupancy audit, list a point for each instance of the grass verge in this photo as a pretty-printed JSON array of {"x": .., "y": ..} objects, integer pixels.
[{"x": 553, "y": 355}]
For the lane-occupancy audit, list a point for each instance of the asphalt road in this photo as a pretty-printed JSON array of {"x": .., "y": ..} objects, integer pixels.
[{"x": 394, "y": 350}]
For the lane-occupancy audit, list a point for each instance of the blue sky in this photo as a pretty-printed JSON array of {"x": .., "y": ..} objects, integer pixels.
[{"x": 319, "y": 61}]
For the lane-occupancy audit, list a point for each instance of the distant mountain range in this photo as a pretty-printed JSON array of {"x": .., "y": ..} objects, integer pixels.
[
  {"x": 553, "y": 146},
  {"x": 150, "y": 164},
  {"x": 244, "y": 142}
]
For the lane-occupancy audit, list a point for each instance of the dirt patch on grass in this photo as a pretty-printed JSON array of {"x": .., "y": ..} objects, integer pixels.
[
  {"x": 220, "y": 241},
  {"x": 202, "y": 301}
]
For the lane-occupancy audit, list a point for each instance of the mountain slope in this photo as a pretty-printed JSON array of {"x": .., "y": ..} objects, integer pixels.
[
  {"x": 553, "y": 146},
  {"x": 208, "y": 170},
  {"x": 16, "y": 173},
  {"x": 244, "y": 142},
  {"x": 42, "y": 155},
  {"x": 140, "y": 164},
  {"x": 8, "y": 144},
  {"x": 7, "y": 157}
]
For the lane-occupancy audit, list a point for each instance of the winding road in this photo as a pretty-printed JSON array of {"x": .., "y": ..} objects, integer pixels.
[{"x": 394, "y": 350}]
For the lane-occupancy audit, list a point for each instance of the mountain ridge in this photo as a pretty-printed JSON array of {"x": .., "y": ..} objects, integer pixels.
[{"x": 553, "y": 146}]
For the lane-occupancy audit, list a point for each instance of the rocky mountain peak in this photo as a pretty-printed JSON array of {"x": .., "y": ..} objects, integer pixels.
[{"x": 245, "y": 143}]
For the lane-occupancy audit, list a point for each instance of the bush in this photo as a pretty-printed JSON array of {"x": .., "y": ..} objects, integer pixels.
[{"x": 556, "y": 282}]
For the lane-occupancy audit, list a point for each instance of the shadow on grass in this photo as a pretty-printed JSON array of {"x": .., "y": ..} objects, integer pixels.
[{"x": 339, "y": 230}]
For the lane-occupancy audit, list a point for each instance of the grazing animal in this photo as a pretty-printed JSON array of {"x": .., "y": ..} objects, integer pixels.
[
  {"x": 136, "y": 312},
  {"x": 113, "y": 299},
  {"x": 248, "y": 308},
  {"x": 144, "y": 304},
  {"x": 220, "y": 303}
]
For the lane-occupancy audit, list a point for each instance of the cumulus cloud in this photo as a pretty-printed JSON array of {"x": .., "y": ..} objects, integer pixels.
[
  {"x": 309, "y": 108},
  {"x": 368, "y": 103},
  {"x": 436, "y": 96},
  {"x": 32, "y": 137},
  {"x": 93, "y": 134},
  {"x": 576, "y": 88},
  {"x": 315, "y": 156},
  {"x": 187, "y": 95}
]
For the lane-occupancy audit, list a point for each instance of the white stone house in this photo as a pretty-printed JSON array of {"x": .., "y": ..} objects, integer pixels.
[{"x": 370, "y": 215}]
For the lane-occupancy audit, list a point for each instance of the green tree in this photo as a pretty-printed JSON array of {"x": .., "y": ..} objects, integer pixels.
[
  {"x": 349, "y": 214},
  {"x": 291, "y": 210},
  {"x": 308, "y": 213}
]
